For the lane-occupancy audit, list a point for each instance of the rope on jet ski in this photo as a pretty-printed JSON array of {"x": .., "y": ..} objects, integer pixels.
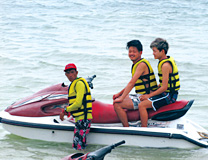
[{"x": 203, "y": 135}]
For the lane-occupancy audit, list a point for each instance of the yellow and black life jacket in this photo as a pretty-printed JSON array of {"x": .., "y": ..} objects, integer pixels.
[
  {"x": 173, "y": 82},
  {"x": 145, "y": 83},
  {"x": 86, "y": 107}
]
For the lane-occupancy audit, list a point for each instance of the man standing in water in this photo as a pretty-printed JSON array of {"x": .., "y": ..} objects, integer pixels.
[
  {"x": 80, "y": 106},
  {"x": 169, "y": 81},
  {"x": 143, "y": 79}
]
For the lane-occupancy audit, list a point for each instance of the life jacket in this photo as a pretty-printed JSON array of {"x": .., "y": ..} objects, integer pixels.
[
  {"x": 173, "y": 82},
  {"x": 145, "y": 83},
  {"x": 86, "y": 107}
]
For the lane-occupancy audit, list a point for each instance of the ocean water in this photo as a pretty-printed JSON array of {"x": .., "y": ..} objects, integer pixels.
[{"x": 38, "y": 38}]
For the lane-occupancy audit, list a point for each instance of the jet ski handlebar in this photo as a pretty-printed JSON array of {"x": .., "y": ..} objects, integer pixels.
[
  {"x": 89, "y": 81},
  {"x": 100, "y": 153},
  {"x": 96, "y": 155}
]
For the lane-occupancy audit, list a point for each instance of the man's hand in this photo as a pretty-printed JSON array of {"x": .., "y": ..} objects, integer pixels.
[
  {"x": 118, "y": 100},
  {"x": 62, "y": 116},
  {"x": 115, "y": 96},
  {"x": 144, "y": 97}
]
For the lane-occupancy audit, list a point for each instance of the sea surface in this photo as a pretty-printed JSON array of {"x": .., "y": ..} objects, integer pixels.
[{"x": 38, "y": 38}]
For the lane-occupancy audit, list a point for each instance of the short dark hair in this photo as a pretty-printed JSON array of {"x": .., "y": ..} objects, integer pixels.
[
  {"x": 70, "y": 69},
  {"x": 160, "y": 44},
  {"x": 135, "y": 43}
]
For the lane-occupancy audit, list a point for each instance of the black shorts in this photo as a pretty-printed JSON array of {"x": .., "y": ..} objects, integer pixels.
[{"x": 163, "y": 99}]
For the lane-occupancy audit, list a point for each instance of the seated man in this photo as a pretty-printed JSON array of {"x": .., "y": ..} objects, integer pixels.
[
  {"x": 167, "y": 93},
  {"x": 143, "y": 79}
]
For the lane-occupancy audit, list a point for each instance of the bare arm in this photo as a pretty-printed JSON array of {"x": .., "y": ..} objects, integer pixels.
[
  {"x": 118, "y": 94},
  {"x": 139, "y": 71},
  {"x": 166, "y": 70}
]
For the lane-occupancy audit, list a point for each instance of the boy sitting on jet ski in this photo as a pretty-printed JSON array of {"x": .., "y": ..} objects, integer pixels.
[{"x": 167, "y": 92}]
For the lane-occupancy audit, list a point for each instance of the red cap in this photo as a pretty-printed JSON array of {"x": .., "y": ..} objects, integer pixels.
[{"x": 70, "y": 66}]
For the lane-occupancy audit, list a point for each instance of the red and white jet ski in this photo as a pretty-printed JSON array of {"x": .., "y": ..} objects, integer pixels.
[{"x": 37, "y": 117}]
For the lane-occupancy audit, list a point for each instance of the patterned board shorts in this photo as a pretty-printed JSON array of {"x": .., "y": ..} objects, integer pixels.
[
  {"x": 135, "y": 99},
  {"x": 82, "y": 128}
]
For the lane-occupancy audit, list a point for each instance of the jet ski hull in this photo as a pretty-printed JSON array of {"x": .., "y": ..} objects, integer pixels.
[{"x": 180, "y": 133}]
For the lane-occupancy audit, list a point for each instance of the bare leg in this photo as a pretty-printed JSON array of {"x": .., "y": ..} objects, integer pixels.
[
  {"x": 143, "y": 111},
  {"x": 121, "y": 113}
]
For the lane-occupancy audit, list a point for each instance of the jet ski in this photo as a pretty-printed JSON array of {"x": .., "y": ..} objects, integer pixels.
[{"x": 37, "y": 117}]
